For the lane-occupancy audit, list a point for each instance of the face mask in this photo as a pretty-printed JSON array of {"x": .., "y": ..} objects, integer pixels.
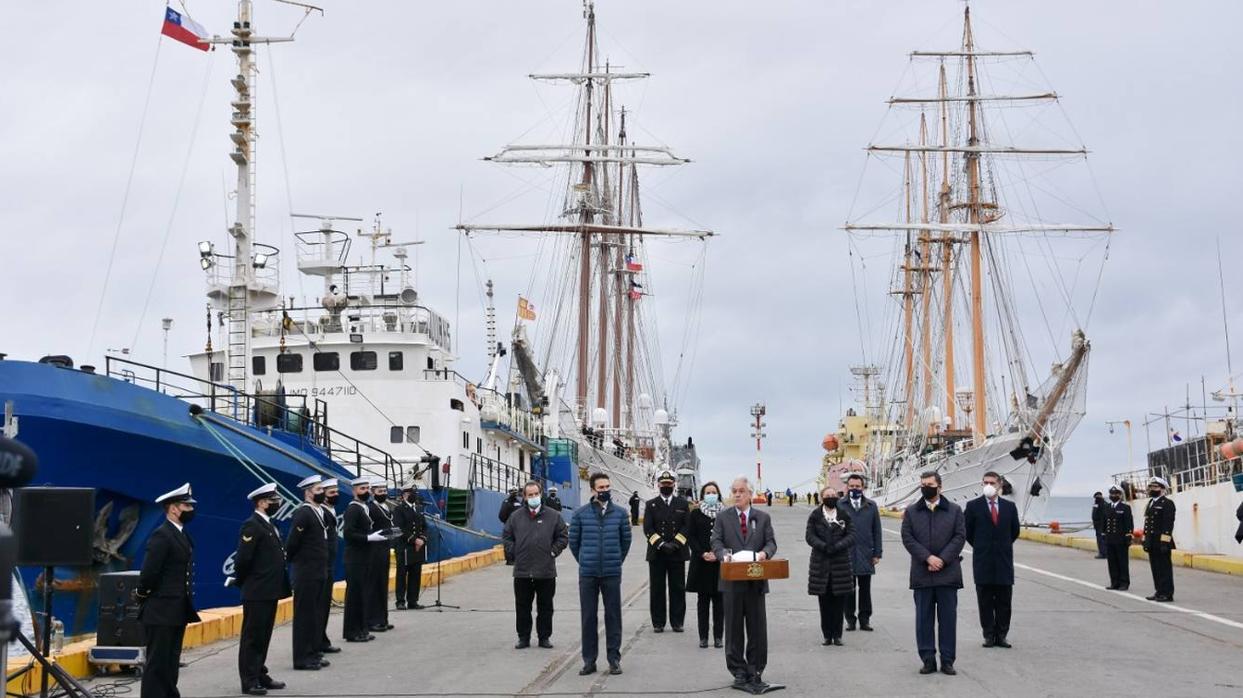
[
  {"x": 666, "y": 491},
  {"x": 929, "y": 491},
  {"x": 855, "y": 494},
  {"x": 830, "y": 502},
  {"x": 186, "y": 517},
  {"x": 271, "y": 507},
  {"x": 410, "y": 497},
  {"x": 363, "y": 497},
  {"x": 533, "y": 502},
  {"x": 1154, "y": 493},
  {"x": 381, "y": 496},
  {"x": 604, "y": 496},
  {"x": 712, "y": 498},
  {"x": 318, "y": 497},
  {"x": 990, "y": 491},
  {"x": 1115, "y": 497},
  {"x": 331, "y": 498},
  {"x": 1099, "y": 498}
]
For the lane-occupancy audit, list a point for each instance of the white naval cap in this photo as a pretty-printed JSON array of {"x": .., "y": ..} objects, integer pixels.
[
  {"x": 310, "y": 481},
  {"x": 379, "y": 482},
  {"x": 330, "y": 482},
  {"x": 1154, "y": 480},
  {"x": 181, "y": 494},
  {"x": 358, "y": 481},
  {"x": 263, "y": 491},
  {"x": 409, "y": 486}
]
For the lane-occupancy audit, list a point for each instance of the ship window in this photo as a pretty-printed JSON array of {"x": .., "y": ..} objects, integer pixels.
[
  {"x": 326, "y": 361},
  {"x": 431, "y": 364},
  {"x": 396, "y": 360},
  {"x": 456, "y": 404},
  {"x": 258, "y": 365},
  {"x": 362, "y": 360},
  {"x": 289, "y": 363},
  {"x": 215, "y": 371},
  {"x": 466, "y": 439},
  {"x": 478, "y": 445},
  {"x": 412, "y": 435},
  {"x": 394, "y": 435}
]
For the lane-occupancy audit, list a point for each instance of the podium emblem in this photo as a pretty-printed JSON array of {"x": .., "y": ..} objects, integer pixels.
[{"x": 755, "y": 570}]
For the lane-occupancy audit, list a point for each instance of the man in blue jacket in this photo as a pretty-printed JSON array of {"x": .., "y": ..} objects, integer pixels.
[
  {"x": 934, "y": 533},
  {"x": 600, "y": 540},
  {"x": 992, "y": 527}
]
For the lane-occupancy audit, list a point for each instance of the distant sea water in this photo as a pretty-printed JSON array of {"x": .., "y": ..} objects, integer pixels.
[{"x": 1067, "y": 510}]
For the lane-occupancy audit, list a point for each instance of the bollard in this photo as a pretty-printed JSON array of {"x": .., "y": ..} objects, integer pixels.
[{"x": 1055, "y": 527}]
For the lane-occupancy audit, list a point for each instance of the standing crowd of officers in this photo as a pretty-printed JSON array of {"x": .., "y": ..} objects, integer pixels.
[{"x": 268, "y": 567}]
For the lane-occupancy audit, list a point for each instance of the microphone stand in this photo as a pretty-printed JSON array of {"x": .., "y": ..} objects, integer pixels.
[{"x": 440, "y": 545}]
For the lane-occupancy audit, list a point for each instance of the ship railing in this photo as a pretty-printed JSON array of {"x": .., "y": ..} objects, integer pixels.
[
  {"x": 489, "y": 474},
  {"x": 1135, "y": 482},
  {"x": 1211, "y": 473},
  {"x": 289, "y": 412},
  {"x": 501, "y": 409},
  {"x": 385, "y": 316}
]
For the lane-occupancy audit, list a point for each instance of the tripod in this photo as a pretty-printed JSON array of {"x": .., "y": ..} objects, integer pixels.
[{"x": 440, "y": 545}]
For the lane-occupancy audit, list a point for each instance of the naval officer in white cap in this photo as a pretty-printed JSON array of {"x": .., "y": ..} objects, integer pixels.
[
  {"x": 166, "y": 593},
  {"x": 377, "y": 569},
  {"x": 1159, "y": 539},
  {"x": 307, "y": 550},
  {"x": 259, "y": 568},
  {"x": 331, "y": 492},
  {"x": 357, "y": 534}
]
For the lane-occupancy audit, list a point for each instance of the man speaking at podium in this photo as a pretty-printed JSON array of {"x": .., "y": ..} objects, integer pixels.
[{"x": 743, "y": 533}]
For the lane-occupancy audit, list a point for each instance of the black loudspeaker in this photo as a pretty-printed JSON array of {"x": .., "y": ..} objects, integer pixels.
[
  {"x": 118, "y": 611},
  {"x": 55, "y": 526}
]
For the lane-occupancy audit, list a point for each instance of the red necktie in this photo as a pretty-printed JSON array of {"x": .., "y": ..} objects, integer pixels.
[
  {"x": 744, "y": 524},
  {"x": 993, "y": 506}
]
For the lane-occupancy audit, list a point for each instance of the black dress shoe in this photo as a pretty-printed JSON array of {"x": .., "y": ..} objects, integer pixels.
[
  {"x": 703, "y": 642},
  {"x": 947, "y": 668},
  {"x": 401, "y": 605},
  {"x": 1165, "y": 599},
  {"x": 1154, "y": 597},
  {"x": 587, "y": 669},
  {"x": 1111, "y": 587},
  {"x": 658, "y": 628},
  {"x": 306, "y": 667},
  {"x": 758, "y": 685},
  {"x": 389, "y": 626},
  {"x": 615, "y": 668},
  {"x": 378, "y": 628},
  {"x": 1001, "y": 642},
  {"x": 989, "y": 642},
  {"x": 330, "y": 649},
  {"x": 827, "y": 642},
  {"x": 741, "y": 680},
  {"x": 929, "y": 667},
  {"x": 718, "y": 643},
  {"x": 522, "y": 644},
  {"x": 417, "y": 606},
  {"x": 863, "y": 625},
  {"x": 677, "y": 628},
  {"x": 1124, "y": 587},
  {"x": 837, "y": 642},
  {"x": 545, "y": 643},
  {"x": 850, "y": 626},
  {"x": 271, "y": 684},
  {"x": 359, "y": 638},
  {"x": 255, "y": 690}
]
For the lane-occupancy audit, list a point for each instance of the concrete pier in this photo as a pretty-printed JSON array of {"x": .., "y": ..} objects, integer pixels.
[{"x": 1071, "y": 637}]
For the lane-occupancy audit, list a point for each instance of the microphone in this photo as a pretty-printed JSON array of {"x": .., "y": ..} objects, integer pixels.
[{"x": 18, "y": 464}]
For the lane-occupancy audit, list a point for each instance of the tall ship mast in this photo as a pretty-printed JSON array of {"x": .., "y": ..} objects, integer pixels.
[
  {"x": 979, "y": 263},
  {"x": 601, "y": 341}
]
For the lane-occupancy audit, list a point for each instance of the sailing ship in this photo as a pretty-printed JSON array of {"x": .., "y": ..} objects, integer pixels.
[
  {"x": 618, "y": 418},
  {"x": 969, "y": 224}
]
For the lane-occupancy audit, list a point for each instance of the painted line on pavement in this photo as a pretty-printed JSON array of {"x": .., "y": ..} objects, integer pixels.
[{"x": 1097, "y": 587}]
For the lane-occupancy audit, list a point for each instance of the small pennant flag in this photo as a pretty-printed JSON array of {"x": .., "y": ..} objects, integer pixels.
[
  {"x": 635, "y": 294},
  {"x": 526, "y": 310},
  {"x": 633, "y": 264},
  {"x": 1175, "y": 436},
  {"x": 184, "y": 29}
]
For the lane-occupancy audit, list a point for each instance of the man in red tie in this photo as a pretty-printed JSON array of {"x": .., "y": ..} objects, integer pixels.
[{"x": 992, "y": 527}]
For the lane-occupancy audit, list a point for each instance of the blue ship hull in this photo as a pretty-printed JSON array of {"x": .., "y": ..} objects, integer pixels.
[{"x": 132, "y": 444}]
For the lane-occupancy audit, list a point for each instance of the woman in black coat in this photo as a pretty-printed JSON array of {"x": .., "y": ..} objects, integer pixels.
[
  {"x": 705, "y": 571},
  {"x": 831, "y": 535}
]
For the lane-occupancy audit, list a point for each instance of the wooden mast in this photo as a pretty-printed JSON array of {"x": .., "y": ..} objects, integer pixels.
[
  {"x": 602, "y": 330},
  {"x": 908, "y": 302},
  {"x": 925, "y": 272},
  {"x": 980, "y": 411},
  {"x": 619, "y": 287},
  {"x": 584, "y": 257},
  {"x": 947, "y": 258}
]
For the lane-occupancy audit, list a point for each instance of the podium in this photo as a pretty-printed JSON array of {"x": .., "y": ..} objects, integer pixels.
[{"x": 755, "y": 571}]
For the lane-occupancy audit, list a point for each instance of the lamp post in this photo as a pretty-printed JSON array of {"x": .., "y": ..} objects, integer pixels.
[
  {"x": 166, "y": 324},
  {"x": 1126, "y": 423},
  {"x": 758, "y": 411}
]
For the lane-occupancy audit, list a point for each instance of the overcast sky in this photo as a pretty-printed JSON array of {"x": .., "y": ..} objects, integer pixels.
[{"x": 388, "y": 106}]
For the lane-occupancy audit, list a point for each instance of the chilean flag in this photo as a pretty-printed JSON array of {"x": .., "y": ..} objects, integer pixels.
[
  {"x": 633, "y": 264},
  {"x": 184, "y": 29}
]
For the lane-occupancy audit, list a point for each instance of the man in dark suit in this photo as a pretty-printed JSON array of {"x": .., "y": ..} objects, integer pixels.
[
  {"x": 992, "y": 525},
  {"x": 165, "y": 593},
  {"x": 665, "y": 527},
  {"x": 1098, "y": 523},
  {"x": 358, "y": 539},
  {"x": 738, "y": 530},
  {"x": 331, "y": 493},
  {"x": 411, "y": 547},
  {"x": 1116, "y": 529},
  {"x": 635, "y": 501},
  {"x": 1159, "y": 539},
  {"x": 377, "y": 568},
  {"x": 934, "y": 533},
  {"x": 307, "y": 550},
  {"x": 259, "y": 569}
]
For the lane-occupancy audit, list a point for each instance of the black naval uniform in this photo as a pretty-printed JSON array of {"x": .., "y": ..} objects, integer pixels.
[
  {"x": 357, "y": 556},
  {"x": 259, "y": 567},
  {"x": 553, "y": 502},
  {"x": 166, "y": 594},
  {"x": 330, "y": 522},
  {"x": 665, "y": 527},
  {"x": 1117, "y": 522},
  {"x": 377, "y": 567},
  {"x": 1158, "y": 542},
  {"x": 307, "y": 550},
  {"x": 634, "y": 509},
  {"x": 511, "y": 504},
  {"x": 413, "y": 525}
]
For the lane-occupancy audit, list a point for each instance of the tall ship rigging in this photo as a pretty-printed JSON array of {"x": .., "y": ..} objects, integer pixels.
[
  {"x": 983, "y": 357},
  {"x": 599, "y": 340}
]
